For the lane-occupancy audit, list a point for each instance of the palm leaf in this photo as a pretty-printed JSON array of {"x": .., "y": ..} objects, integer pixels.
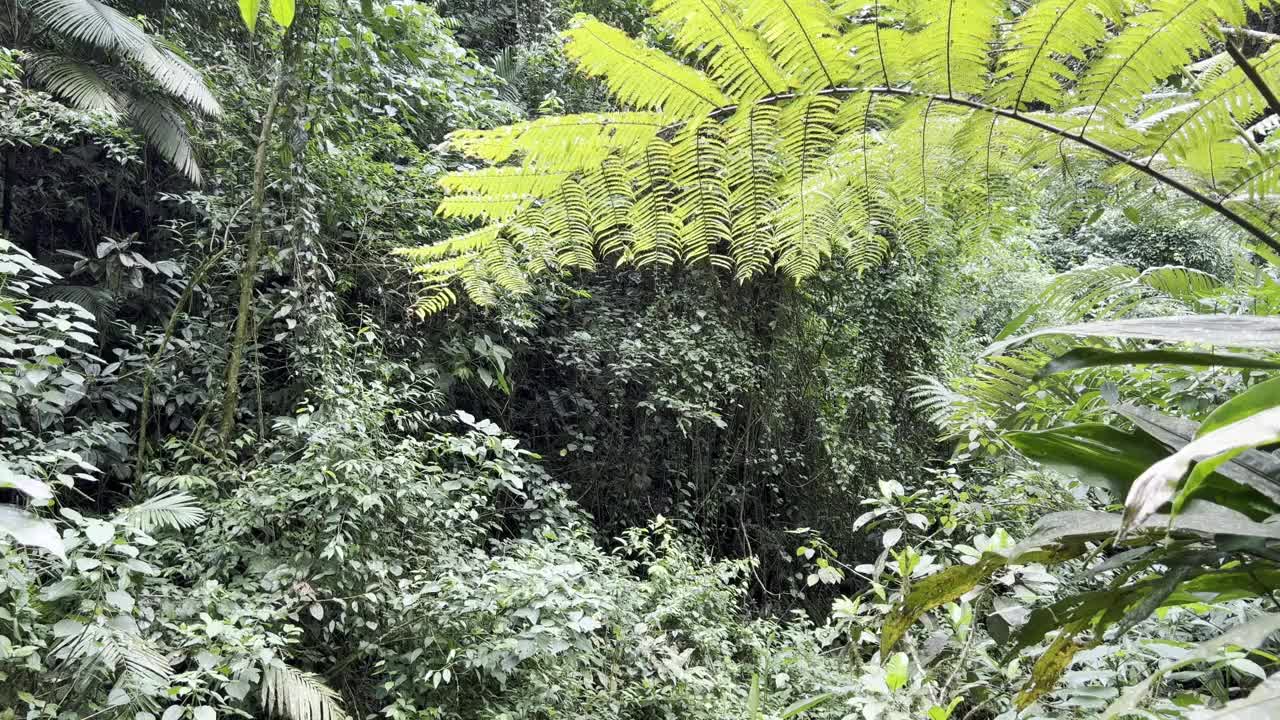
[
  {"x": 162, "y": 126},
  {"x": 174, "y": 510},
  {"x": 297, "y": 695}
]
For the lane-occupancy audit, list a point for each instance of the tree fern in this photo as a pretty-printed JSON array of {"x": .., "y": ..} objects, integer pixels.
[
  {"x": 640, "y": 76},
  {"x": 792, "y": 129},
  {"x": 711, "y": 32}
]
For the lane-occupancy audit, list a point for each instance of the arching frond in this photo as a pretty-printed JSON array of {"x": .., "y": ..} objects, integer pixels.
[
  {"x": 165, "y": 130},
  {"x": 94, "y": 23},
  {"x": 805, "y": 38},
  {"x": 82, "y": 84},
  {"x": 1044, "y": 39},
  {"x": 297, "y": 695},
  {"x": 640, "y": 76},
  {"x": 1153, "y": 46},
  {"x": 713, "y": 33},
  {"x": 956, "y": 45},
  {"x": 798, "y": 129},
  {"x": 172, "y": 510}
]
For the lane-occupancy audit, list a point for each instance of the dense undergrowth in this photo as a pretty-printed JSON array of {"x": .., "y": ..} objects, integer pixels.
[{"x": 241, "y": 475}]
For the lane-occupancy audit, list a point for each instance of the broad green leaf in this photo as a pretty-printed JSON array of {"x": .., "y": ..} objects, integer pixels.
[
  {"x": 1250, "y": 402},
  {"x": 28, "y": 529},
  {"x": 282, "y": 11},
  {"x": 1095, "y": 453},
  {"x": 1244, "y": 331},
  {"x": 1252, "y": 469},
  {"x": 1084, "y": 357},
  {"x": 249, "y": 10},
  {"x": 897, "y": 671},
  {"x": 32, "y": 488},
  {"x": 803, "y": 706},
  {"x": 1157, "y": 484},
  {"x": 935, "y": 591}
]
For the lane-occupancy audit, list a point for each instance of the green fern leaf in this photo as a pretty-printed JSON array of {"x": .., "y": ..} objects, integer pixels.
[{"x": 640, "y": 76}]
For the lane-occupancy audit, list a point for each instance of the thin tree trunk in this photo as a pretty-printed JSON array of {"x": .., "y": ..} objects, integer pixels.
[
  {"x": 253, "y": 253},
  {"x": 9, "y": 176}
]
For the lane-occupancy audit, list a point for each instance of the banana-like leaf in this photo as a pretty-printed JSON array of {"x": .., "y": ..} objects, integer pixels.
[
  {"x": 1086, "y": 357},
  {"x": 1253, "y": 469},
  {"x": 1095, "y": 453},
  {"x": 1158, "y": 483},
  {"x": 1244, "y": 331}
]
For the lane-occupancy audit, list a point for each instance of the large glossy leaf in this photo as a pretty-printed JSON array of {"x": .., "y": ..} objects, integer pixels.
[
  {"x": 1095, "y": 453},
  {"x": 1243, "y": 331},
  {"x": 1253, "y": 469},
  {"x": 1084, "y": 357},
  {"x": 1157, "y": 484},
  {"x": 28, "y": 529}
]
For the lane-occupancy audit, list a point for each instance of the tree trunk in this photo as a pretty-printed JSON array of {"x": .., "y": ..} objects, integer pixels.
[{"x": 253, "y": 253}]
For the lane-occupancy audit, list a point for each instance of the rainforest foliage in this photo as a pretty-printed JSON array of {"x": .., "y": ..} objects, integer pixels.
[{"x": 631, "y": 359}]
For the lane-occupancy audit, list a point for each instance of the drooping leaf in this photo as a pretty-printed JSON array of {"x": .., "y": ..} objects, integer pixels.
[
  {"x": 1081, "y": 358},
  {"x": 1252, "y": 469},
  {"x": 1243, "y": 331},
  {"x": 1157, "y": 484},
  {"x": 932, "y": 592},
  {"x": 1050, "y": 666}
]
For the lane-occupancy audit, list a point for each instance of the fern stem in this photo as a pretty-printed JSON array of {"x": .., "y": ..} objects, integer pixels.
[{"x": 1218, "y": 206}]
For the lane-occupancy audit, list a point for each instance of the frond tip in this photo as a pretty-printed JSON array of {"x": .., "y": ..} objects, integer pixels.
[{"x": 298, "y": 695}]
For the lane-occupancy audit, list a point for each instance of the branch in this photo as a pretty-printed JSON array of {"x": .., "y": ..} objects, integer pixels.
[
  {"x": 1255, "y": 77},
  {"x": 1217, "y": 206}
]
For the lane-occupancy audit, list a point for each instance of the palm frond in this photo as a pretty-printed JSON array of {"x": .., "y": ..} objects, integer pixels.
[
  {"x": 162, "y": 126},
  {"x": 297, "y": 695},
  {"x": 84, "y": 85},
  {"x": 95, "y": 24},
  {"x": 172, "y": 510}
]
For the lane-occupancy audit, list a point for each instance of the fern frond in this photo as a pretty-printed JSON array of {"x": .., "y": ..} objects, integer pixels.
[
  {"x": 1154, "y": 45},
  {"x": 640, "y": 76},
  {"x": 1044, "y": 39},
  {"x": 702, "y": 206},
  {"x": 805, "y": 38},
  {"x": 957, "y": 40},
  {"x": 566, "y": 143},
  {"x": 754, "y": 169},
  {"x": 297, "y": 695},
  {"x": 713, "y": 33},
  {"x": 466, "y": 243},
  {"x": 172, "y": 510}
]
